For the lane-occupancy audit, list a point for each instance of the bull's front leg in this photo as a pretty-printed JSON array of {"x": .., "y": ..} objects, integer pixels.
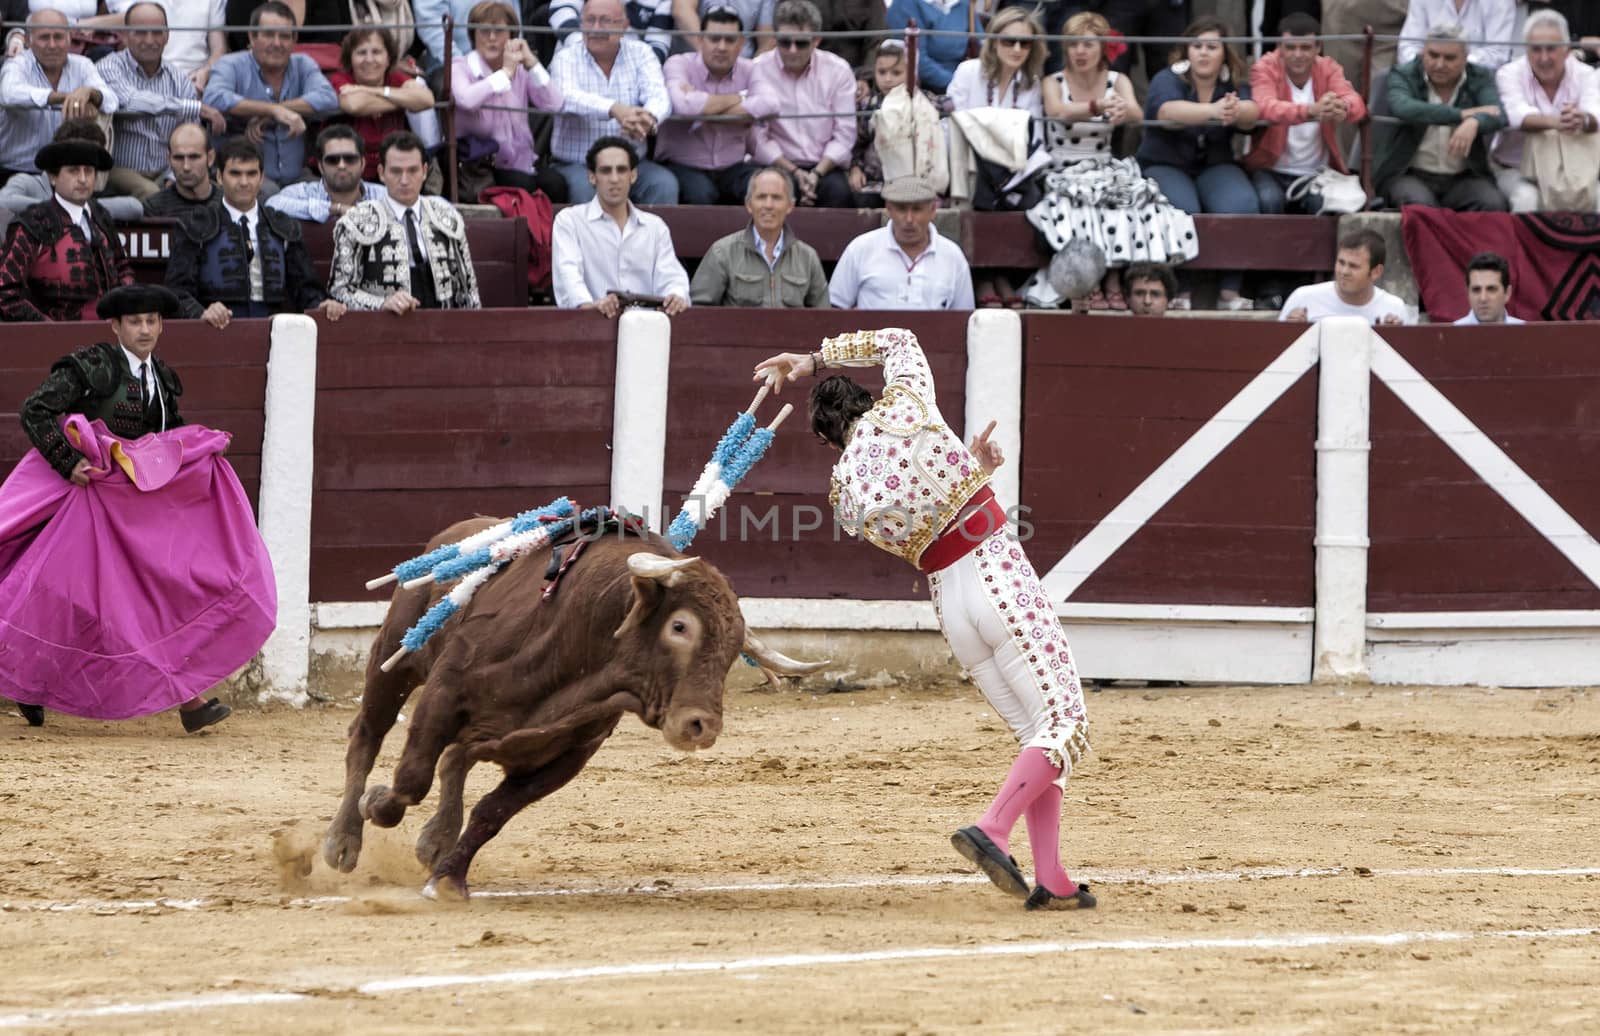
[
  {"x": 509, "y": 797},
  {"x": 440, "y": 833},
  {"x": 381, "y": 700},
  {"x": 434, "y": 726}
]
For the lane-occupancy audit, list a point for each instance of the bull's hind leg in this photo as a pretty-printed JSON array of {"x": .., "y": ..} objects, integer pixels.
[
  {"x": 440, "y": 833},
  {"x": 434, "y": 726},
  {"x": 493, "y": 811},
  {"x": 381, "y": 700}
]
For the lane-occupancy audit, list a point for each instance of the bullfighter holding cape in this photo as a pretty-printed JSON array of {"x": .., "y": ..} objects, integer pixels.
[
  {"x": 907, "y": 484},
  {"x": 132, "y": 576}
]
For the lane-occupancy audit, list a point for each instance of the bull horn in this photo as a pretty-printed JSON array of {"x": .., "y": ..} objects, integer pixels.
[
  {"x": 665, "y": 571},
  {"x": 776, "y": 661}
]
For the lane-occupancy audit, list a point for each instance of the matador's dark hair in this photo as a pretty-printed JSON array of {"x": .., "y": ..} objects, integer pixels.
[{"x": 836, "y": 403}]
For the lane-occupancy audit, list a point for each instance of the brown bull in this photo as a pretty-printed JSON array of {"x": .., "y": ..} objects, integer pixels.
[{"x": 537, "y": 685}]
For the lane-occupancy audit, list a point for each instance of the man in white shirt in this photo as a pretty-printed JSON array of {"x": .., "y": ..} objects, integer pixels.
[
  {"x": 607, "y": 246},
  {"x": 1490, "y": 22},
  {"x": 1488, "y": 291},
  {"x": 43, "y": 87},
  {"x": 905, "y": 265},
  {"x": 1354, "y": 290},
  {"x": 190, "y": 50}
]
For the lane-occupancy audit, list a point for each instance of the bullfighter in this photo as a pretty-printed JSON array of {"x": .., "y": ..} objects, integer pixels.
[
  {"x": 132, "y": 576},
  {"x": 906, "y": 484}
]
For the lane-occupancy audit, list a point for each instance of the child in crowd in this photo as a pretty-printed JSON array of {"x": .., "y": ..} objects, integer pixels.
[{"x": 886, "y": 71}]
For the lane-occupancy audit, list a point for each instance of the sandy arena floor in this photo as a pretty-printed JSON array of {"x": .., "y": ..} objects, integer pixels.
[{"x": 1267, "y": 860}]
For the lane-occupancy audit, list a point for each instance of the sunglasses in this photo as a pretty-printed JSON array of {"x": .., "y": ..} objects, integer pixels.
[
  {"x": 1013, "y": 41},
  {"x": 794, "y": 43},
  {"x": 343, "y": 158}
]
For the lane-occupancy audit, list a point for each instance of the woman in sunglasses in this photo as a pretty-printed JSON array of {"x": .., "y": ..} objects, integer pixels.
[
  {"x": 1006, "y": 73},
  {"x": 373, "y": 92}
]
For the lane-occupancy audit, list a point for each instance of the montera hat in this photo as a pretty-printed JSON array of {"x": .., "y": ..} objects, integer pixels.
[
  {"x": 53, "y": 157},
  {"x": 129, "y": 299},
  {"x": 909, "y": 190}
]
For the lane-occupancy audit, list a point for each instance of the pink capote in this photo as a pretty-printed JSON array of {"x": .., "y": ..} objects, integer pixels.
[{"x": 137, "y": 592}]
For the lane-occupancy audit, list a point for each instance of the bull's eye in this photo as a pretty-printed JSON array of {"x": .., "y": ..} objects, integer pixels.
[{"x": 679, "y": 626}]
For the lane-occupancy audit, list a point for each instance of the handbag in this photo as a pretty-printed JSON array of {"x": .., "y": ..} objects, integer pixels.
[
  {"x": 392, "y": 16},
  {"x": 1340, "y": 192},
  {"x": 1565, "y": 168}
]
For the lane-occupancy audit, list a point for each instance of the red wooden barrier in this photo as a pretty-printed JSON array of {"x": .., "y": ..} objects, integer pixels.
[
  {"x": 224, "y": 377},
  {"x": 1442, "y": 540}
]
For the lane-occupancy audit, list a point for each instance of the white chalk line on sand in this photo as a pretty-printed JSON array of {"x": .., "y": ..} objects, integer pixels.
[
  {"x": 1096, "y": 877},
  {"x": 649, "y": 969}
]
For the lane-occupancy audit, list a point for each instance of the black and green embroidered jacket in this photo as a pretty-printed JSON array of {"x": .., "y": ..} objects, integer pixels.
[{"x": 96, "y": 382}]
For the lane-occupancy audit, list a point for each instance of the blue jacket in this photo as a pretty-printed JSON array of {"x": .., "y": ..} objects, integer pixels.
[{"x": 938, "y": 56}]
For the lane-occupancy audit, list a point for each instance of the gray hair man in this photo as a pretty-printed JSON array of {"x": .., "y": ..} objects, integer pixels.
[{"x": 763, "y": 264}]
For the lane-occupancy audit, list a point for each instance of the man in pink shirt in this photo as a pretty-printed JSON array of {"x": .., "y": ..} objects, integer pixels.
[
  {"x": 1545, "y": 92},
  {"x": 797, "y": 78},
  {"x": 709, "y": 157}
]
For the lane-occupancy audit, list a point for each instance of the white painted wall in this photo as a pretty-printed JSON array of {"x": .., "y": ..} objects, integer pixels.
[
  {"x": 1344, "y": 398},
  {"x": 639, "y": 424},
  {"x": 994, "y": 393}
]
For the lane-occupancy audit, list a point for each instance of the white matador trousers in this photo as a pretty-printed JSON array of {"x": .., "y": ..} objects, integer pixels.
[{"x": 1004, "y": 631}]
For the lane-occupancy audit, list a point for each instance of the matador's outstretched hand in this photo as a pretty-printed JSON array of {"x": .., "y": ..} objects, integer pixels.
[{"x": 783, "y": 368}]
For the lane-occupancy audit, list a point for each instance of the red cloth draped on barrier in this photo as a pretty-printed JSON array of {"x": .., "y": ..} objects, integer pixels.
[{"x": 1554, "y": 257}]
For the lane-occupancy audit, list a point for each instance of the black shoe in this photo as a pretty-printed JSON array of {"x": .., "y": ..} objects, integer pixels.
[
  {"x": 1044, "y": 899},
  {"x": 34, "y": 714},
  {"x": 211, "y": 712},
  {"x": 1001, "y": 869}
]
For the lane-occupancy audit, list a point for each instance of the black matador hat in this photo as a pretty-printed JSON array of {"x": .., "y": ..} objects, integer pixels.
[
  {"x": 137, "y": 298},
  {"x": 52, "y": 157}
]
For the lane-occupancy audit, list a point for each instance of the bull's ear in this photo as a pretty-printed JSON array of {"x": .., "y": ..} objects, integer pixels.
[{"x": 647, "y": 593}]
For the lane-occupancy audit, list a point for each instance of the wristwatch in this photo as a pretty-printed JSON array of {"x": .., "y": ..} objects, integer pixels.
[{"x": 386, "y": 93}]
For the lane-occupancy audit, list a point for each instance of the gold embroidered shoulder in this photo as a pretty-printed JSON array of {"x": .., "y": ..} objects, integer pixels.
[{"x": 904, "y": 474}]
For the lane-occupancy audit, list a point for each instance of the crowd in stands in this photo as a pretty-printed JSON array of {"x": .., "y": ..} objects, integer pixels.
[{"x": 252, "y": 117}]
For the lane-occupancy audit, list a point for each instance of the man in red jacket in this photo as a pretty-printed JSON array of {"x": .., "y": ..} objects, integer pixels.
[{"x": 1303, "y": 97}]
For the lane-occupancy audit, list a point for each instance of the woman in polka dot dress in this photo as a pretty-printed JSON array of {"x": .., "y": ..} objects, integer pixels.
[
  {"x": 1089, "y": 192},
  {"x": 906, "y": 484}
]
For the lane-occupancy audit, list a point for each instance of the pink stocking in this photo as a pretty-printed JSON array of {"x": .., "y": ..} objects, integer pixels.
[
  {"x": 1044, "y": 837},
  {"x": 1029, "y": 778}
]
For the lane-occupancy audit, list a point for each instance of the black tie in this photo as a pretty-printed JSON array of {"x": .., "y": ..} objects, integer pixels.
[
  {"x": 144, "y": 392},
  {"x": 411, "y": 239},
  {"x": 249, "y": 245}
]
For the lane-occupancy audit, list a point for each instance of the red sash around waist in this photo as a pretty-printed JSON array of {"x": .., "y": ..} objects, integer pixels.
[{"x": 983, "y": 518}]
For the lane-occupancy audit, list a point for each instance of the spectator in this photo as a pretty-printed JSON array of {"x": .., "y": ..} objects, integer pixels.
[
  {"x": 939, "y": 54},
  {"x": 1547, "y": 90},
  {"x": 1488, "y": 22},
  {"x": 1354, "y": 290},
  {"x": 1303, "y": 97},
  {"x": 13, "y": 14},
  {"x": 1488, "y": 291},
  {"x": 429, "y": 16},
  {"x": 429, "y": 232},
  {"x": 61, "y": 255},
  {"x": 1583, "y": 17},
  {"x": 42, "y": 87},
  {"x": 27, "y": 189},
  {"x": 1151, "y": 289},
  {"x": 235, "y": 260},
  {"x": 191, "y": 53},
  {"x": 502, "y": 72},
  {"x": 866, "y": 166},
  {"x": 689, "y": 17},
  {"x": 907, "y": 264},
  {"x": 1127, "y": 18},
  {"x": 607, "y": 245},
  {"x": 1439, "y": 155},
  {"x": 764, "y": 264},
  {"x": 1205, "y": 92},
  {"x": 1006, "y": 73},
  {"x": 797, "y": 78},
  {"x": 612, "y": 86},
  {"x": 648, "y": 21},
  {"x": 340, "y": 188},
  {"x": 708, "y": 157},
  {"x": 374, "y": 92},
  {"x": 269, "y": 91},
  {"x": 189, "y": 160},
  {"x": 153, "y": 100}
]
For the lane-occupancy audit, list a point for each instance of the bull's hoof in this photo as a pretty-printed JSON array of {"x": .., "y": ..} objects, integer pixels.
[
  {"x": 446, "y": 888},
  {"x": 341, "y": 849},
  {"x": 381, "y": 807},
  {"x": 434, "y": 844}
]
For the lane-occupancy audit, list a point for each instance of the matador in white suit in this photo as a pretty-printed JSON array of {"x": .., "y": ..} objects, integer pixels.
[{"x": 906, "y": 483}]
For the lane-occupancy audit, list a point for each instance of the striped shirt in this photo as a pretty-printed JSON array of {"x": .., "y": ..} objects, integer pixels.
[
  {"x": 589, "y": 93},
  {"x": 151, "y": 106},
  {"x": 23, "y": 85}
]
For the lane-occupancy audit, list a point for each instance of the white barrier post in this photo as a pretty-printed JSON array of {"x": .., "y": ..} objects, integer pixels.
[
  {"x": 994, "y": 393},
  {"x": 1344, "y": 398},
  {"x": 286, "y": 470},
  {"x": 639, "y": 416}
]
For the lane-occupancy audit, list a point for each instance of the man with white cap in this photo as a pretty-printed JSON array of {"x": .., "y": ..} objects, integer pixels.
[{"x": 906, "y": 264}]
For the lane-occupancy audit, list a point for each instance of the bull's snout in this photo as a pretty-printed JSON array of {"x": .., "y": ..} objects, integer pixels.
[{"x": 692, "y": 729}]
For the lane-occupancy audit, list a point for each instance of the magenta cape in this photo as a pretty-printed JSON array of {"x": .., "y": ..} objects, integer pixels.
[{"x": 137, "y": 592}]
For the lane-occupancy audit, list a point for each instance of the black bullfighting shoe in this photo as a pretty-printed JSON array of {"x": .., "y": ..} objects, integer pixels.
[
  {"x": 34, "y": 714},
  {"x": 1044, "y": 899},
  {"x": 211, "y": 712},
  {"x": 1001, "y": 869}
]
